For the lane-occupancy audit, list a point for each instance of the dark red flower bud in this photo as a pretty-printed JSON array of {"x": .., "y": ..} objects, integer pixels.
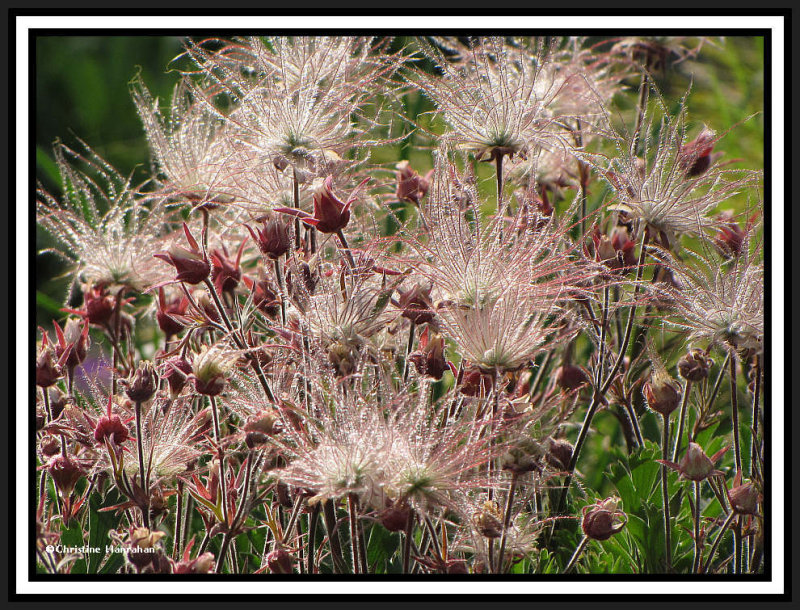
[
  {"x": 662, "y": 394},
  {"x": 395, "y": 516},
  {"x": 73, "y": 343},
  {"x": 99, "y": 305},
  {"x": 429, "y": 359},
  {"x": 474, "y": 382},
  {"x": 696, "y": 465},
  {"x": 265, "y": 297},
  {"x": 560, "y": 453},
  {"x": 272, "y": 239},
  {"x": 48, "y": 370},
  {"x": 410, "y": 185},
  {"x": 225, "y": 272},
  {"x": 110, "y": 427},
  {"x": 49, "y": 446},
  {"x": 416, "y": 304},
  {"x": 168, "y": 312},
  {"x": 331, "y": 214},
  {"x": 695, "y": 365},
  {"x": 743, "y": 498},
  {"x": 731, "y": 236},
  {"x": 280, "y": 562},
  {"x": 695, "y": 157},
  {"x": 65, "y": 473},
  {"x": 191, "y": 264},
  {"x": 143, "y": 384},
  {"x": 176, "y": 373},
  {"x": 603, "y": 520},
  {"x": 570, "y": 377}
]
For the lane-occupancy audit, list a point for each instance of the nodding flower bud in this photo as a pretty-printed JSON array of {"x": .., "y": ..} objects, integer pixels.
[
  {"x": 395, "y": 516},
  {"x": 560, "y": 453},
  {"x": 260, "y": 427},
  {"x": 176, "y": 373},
  {"x": 331, "y": 214},
  {"x": 416, "y": 304},
  {"x": 429, "y": 359},
  {"x": 99, "y": 305},
  {"x": 209, "y": 370},
  {"x": 730, "y": 237},
  {"x": 65, "y": 473},
  {"x": 695, "y": 157},
  {"x": 272, "y": 239},
  {"x": 169, "y": 313},
  {"x": 489, "y": 520},
  {"x": 143, "y": 384},
  {"x": 110, "y": 427},
  {"x": 265, "y": 297},
  {"x": 743, "y": 498},
  {"x": 49, "y": 446},
  {"x": 570, "y": 377},
  {"x": 474, "y": 382},
  {"x": 410, "y": 185},
  {"x": 603, "y": 519},
  {"x": 191, "y": 264},
  {"x": 663, "y": 394},
  {"x": 280, "y": 562},
  {"x": 225, "y": 272},
  {"x": 695, "y": 365},
  {"x": 73, "y": 343},
  {"x": 48, "y": 371},
  {"x": 696, "y": 465}
]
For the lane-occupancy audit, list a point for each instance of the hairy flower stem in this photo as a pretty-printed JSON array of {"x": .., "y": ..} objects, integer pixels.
[
  {"x": 737, "y": 450},
  {"x": 142, "y": 472},
  {"x": 296, "y": 196},
  {"x": 279, "y": 278},
  {"x": 756, "y": 415},
  {"x": 717, "y": 540},
  {"x": 346, "y": 248},
  {"x": 665, "y": 494},
  {"x": 687, "y": 390},
  {"x": 238, "y": 341},
  {"x": 329, "y": 513},
  {"x": 644, "y": 95},
  {"x": 696, "y": 518},
  {"x": 499, "y": 175},
  {"x": 409, "y": 347},
  {"x": 409, "y": 534},
  {"x": 574, "y": 559},
  {"x": 737, "y": 546},
  {"x": 506, "y": 523},
  {"x": 221, "y": 455},
  {"x": 313, "y": 520},
  {"x": 176, "y": 538},
  {"x": 600, "y": 392},
  {"x": 355, "y": 547}
]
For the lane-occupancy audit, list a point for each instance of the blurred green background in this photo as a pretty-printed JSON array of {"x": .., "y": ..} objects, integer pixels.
[{"x": 82, "y": 92}]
